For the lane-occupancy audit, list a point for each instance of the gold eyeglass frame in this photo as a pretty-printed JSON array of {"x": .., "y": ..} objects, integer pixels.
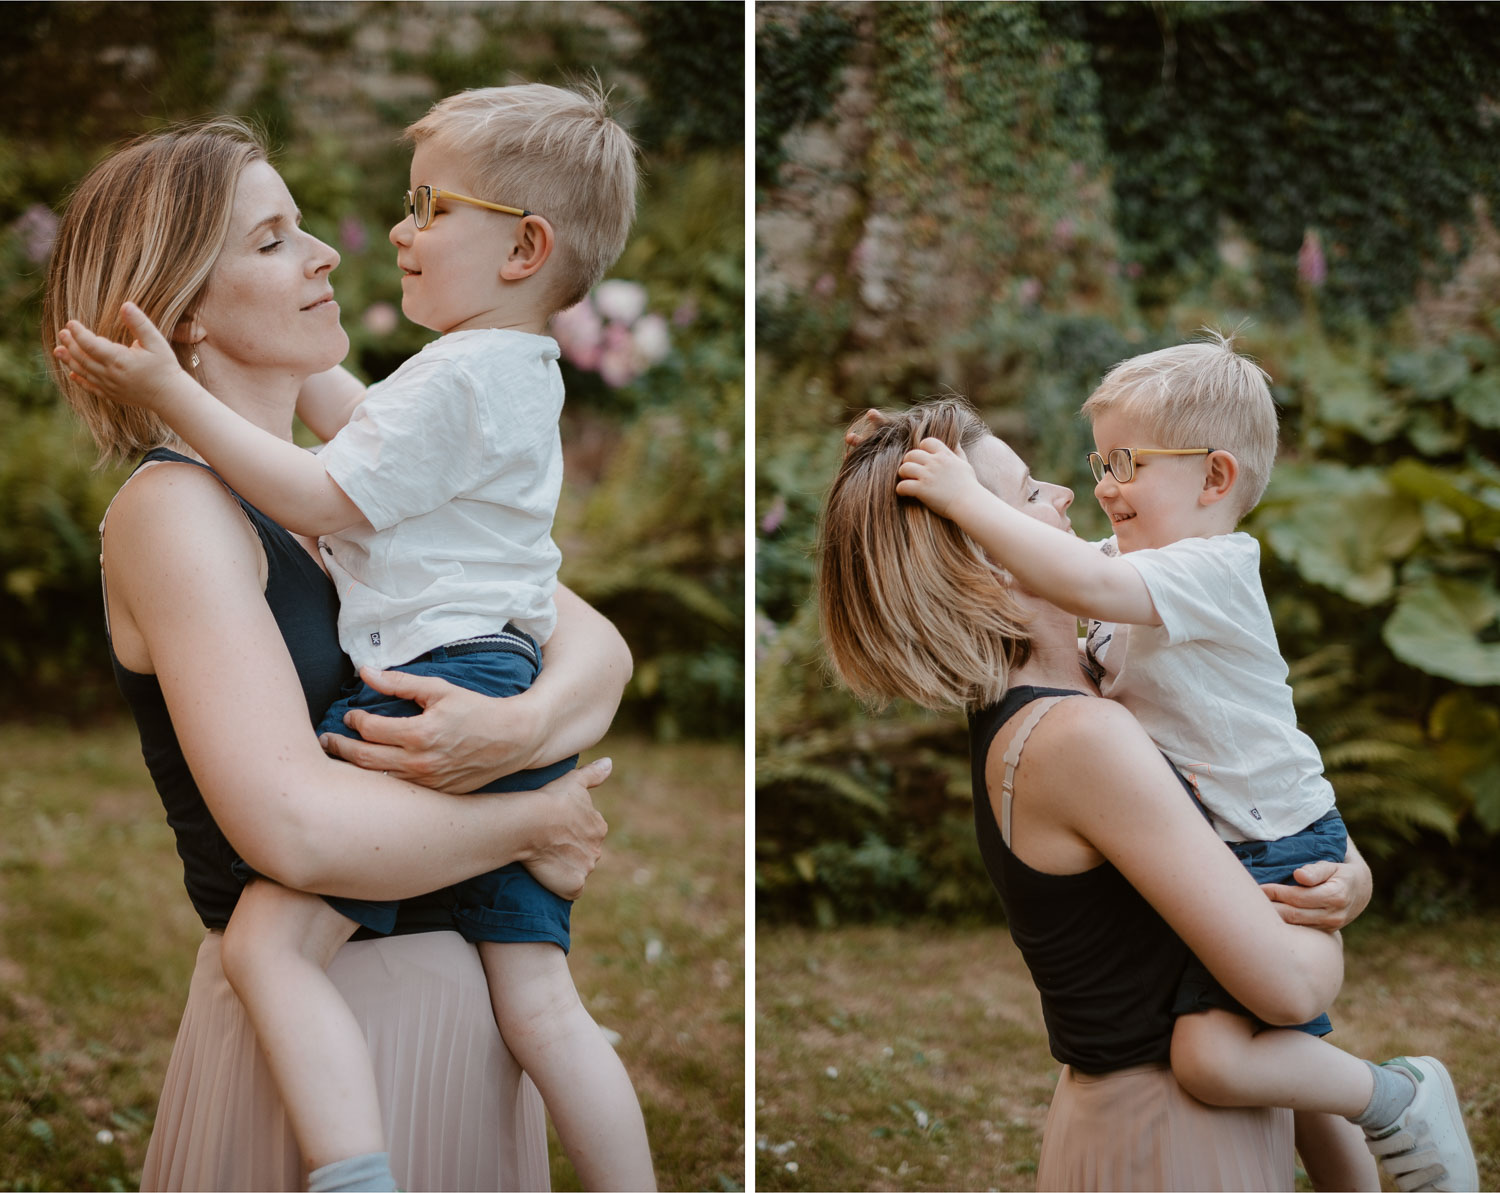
[
  {"x": 435, "y": 193},
  {"x": 1099, "y": 465}
]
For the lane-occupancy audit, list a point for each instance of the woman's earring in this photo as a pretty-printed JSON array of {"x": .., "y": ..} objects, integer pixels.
[{"x": 195, "y": 358}]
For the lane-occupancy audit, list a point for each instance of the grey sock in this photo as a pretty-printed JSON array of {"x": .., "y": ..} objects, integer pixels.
[
  {"x": 1394, "y": 1091},
  {"x": 369, "y": 1173}
]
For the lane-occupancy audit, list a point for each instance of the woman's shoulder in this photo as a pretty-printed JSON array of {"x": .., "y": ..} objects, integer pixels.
[
  {"x": 173, "y": 507},
  {"x": 1079, "y": 742},
  {"x": 1073, "y": 721}
]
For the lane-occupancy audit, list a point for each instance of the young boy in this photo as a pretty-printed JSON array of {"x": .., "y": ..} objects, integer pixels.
[
  {"x": 435, "y": 496},
  {"x": 1181, "y": 634}
]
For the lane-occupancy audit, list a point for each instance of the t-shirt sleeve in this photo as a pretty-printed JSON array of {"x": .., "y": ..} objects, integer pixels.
[
  {"x": 417, "y": 441},
  {"x": 1199, "y": 585}
]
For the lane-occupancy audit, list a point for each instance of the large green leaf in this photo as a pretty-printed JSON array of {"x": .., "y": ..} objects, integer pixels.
[
  {"x": 1347, "y": 396},
  {"x": 1348, "y": 542},
  {"x": 1466, "y": 730},
  {"x": 1484, "y": 785},
  {"x": 1437, "y": 625},
  {"x": 1473, "y": 496},
  {"x": 1429, "y": 375},
  {"x": 1478, "y": 398}
]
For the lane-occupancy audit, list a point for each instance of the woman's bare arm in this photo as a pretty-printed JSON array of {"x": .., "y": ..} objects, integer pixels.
[
  {"x": 327, "y": 399},
  {"x": 184, "y": 564},
  {"x": 1100, "y": 781},
  {"x": 463, "y": 740}
]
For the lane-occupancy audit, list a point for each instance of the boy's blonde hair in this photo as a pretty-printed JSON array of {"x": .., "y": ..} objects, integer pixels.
[
  {"x": 1202, "y": 394},
  {"x": 909, "y": 604},
  {"x": 552, "y": 151},
  {"x": 146, "y": 224}
]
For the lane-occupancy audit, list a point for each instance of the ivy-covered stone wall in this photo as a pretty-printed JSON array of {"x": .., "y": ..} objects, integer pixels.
[{"x": 1005, "y": 199}]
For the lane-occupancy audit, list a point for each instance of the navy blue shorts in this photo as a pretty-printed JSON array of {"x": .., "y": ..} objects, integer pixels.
[
  {"x": 1324, "y": 840},
  {"x": 507, "y": 904}
]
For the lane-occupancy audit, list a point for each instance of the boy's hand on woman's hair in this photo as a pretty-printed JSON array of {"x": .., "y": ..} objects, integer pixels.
[
  {"x": 860, "y": 429},
  {"x": 140, "y": 375}
]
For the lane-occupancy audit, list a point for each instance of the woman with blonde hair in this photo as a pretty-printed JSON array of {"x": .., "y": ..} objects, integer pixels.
[
  {"x": 1108, "y": 871},
  {"x": 222, "y": 629}
]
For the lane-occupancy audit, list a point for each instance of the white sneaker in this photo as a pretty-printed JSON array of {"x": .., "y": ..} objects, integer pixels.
[{"x": 1427, "y": 1146}]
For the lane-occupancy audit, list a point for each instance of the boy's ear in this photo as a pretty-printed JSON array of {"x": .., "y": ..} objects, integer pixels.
[
  {"x": 533, "y": 245},
  {"x": 1219, "y": 477}
]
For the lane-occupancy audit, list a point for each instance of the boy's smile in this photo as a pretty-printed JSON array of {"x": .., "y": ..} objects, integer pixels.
[
  {"x": 1160, "y": 503},
  {"x": 451, "y": 269}
]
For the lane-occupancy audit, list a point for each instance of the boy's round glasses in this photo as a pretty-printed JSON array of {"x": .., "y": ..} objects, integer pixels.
[
  {"x": 419, "y": 204},
  {"x": 1120, "y": 461}
]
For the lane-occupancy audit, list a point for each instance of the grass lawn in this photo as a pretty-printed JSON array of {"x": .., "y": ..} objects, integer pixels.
[
  {"x": 915, "y": 1058},
  {"x": 97, "y": 942}
]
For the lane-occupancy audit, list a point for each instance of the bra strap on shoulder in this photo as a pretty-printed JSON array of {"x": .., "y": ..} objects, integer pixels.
[{"x": 1012, "y": 756}]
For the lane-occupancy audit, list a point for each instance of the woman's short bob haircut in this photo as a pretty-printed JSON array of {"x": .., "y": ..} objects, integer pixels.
[
  {"x": 146, "y": 224},
  {"x": 911, "y": 608}
]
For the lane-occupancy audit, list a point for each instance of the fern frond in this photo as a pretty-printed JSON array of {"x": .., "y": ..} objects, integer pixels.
[{"x": 838, "y": 782}]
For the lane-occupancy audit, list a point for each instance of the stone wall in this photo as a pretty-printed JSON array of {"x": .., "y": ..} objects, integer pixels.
[{"x": 943, "y": 182}]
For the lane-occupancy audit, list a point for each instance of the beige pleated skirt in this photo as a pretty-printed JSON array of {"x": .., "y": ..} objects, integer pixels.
[
  {"x": 459, "y": 1113},
  {"x": 1137, "y": 1129}
]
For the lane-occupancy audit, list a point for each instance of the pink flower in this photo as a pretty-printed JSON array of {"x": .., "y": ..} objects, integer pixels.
[
  {"x": 37, "y": 228},
  {"x": 765, "y": 636},
  {"x": 1029, "y": 292},
  {"x": 1312, "y": 268},
  {"x": 617, "y": 299},
  {"x": 352, "y": 234},
  {"x": 686, "y": 312},
  {"x": 579, "y": 333},
  {"x": 772, "y": 519},
  {"x": 617, "y": 368},
  {"x": 652, "y": 340},
  {"x": 618, "y": 363},
  {"x": 380, "y": 318}
]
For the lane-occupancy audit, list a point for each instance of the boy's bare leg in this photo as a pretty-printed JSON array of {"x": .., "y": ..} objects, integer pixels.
[
  {"x": 276, "y": 952},
  {"x": 587, "y": 1092},
  {"x": 1221, "y": 1059},
  {"x": 1334, "y": 1154}
]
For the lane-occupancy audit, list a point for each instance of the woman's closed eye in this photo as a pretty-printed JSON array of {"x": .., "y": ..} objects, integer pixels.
[
  {"x": 1033, "y": 495},
  {"x": 272, "y": 247}
]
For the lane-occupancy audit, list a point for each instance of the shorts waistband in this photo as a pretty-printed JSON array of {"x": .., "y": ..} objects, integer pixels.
[{"x": 510, "y": 640}]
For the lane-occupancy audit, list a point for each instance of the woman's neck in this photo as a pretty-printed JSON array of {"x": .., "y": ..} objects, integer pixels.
[
  {"x": 265, "y": 397},
  {"x": 1054, "y": 661}
]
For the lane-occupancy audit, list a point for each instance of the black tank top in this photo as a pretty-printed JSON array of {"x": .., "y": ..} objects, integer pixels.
[
  {"x": 1105, "y": 964},
  {"x": 305, "y": 606}
]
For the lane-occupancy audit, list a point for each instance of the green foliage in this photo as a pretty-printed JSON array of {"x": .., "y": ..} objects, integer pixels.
[
  {"x": 1368, "y": 123},
  {"x": 88, "y": 73},
  {"x": 660, "y": 548},
  {"x": 987, "y": 99},
  {"x": 797, "y": 69},
  {"x": 1382, "y": 522},
  {"x": 693, "y": 65},
  {"x": 516, "y": 43},
  {"x": 665, "y": 526}
]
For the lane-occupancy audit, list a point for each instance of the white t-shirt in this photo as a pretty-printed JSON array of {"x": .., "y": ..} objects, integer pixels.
[
  {"x": 1209, "y": 686},
  {"x": 456, "y": 462}
]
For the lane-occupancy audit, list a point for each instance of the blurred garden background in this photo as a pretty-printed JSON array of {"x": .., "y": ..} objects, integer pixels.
[
  {"x": 651, "y": 528},
  {"x": 1003, "y": 200}
]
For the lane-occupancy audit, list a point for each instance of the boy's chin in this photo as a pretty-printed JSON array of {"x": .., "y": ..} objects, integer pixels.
[{"x": 410, "y": 318}]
